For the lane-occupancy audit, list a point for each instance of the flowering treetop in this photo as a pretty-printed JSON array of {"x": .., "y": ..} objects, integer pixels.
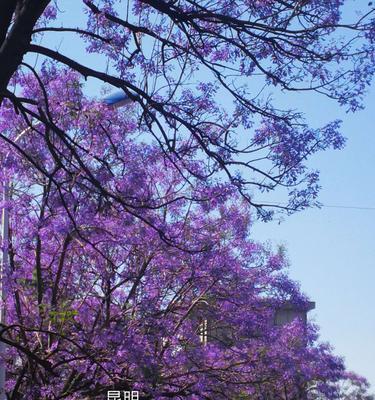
[{"x": 178, "y": 60}]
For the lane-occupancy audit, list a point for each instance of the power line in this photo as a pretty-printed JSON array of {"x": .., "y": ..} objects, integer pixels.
[
  {"x": 326, "y": 206},
  {"x": 350, "y": 207}
]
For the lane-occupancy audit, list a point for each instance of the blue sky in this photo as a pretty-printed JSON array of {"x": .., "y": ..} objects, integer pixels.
[{"x": 331, "y": 250}]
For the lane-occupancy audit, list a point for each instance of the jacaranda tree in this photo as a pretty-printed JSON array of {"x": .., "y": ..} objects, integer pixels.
[
  {"x": 174, "y": 300},
  {"x": 131, "y": 264}
]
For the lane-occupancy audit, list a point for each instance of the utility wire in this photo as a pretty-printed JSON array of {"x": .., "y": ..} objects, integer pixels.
[
  {"x": 350, "y": 207},
  {"x": 327, "y": 206}
]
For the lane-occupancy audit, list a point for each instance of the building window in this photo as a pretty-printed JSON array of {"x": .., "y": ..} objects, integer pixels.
[{"x": 203, "y": 332}]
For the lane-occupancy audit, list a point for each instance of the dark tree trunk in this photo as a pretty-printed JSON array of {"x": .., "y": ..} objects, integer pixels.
[{"x": 17, "y": 21}]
